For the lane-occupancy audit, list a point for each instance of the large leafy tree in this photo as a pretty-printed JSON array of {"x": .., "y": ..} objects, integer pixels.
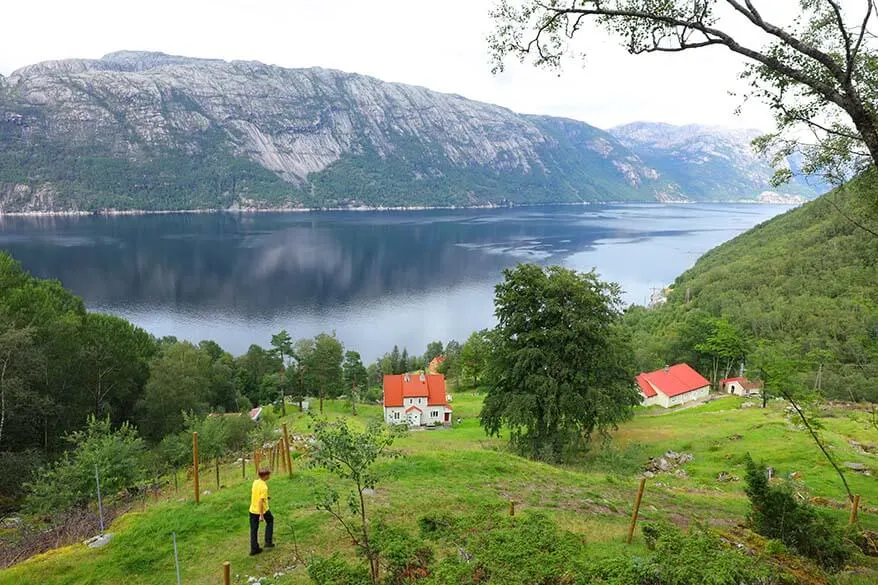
[
  {"x": 474, "y": 356},
  {"x": 559, "y": 366},
  {"x": 179, "y": 382},
  {"x": 115, "y": 357},
  {"x": 818, "y": 71}
]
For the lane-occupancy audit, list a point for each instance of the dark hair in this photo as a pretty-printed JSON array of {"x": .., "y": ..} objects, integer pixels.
[{"x": 264, "y": 472}]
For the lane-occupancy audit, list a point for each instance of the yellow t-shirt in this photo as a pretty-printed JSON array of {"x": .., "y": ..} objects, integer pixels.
[{"x": 259, "y": 492}]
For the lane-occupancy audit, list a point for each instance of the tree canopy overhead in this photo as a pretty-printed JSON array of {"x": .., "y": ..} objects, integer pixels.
[{"x": 817, "y": 72}]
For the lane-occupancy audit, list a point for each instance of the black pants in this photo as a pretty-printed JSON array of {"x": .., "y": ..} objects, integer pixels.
[{"x": 254, "y": 530}]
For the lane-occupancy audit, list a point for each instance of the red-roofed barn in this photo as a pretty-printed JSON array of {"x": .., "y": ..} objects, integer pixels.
[
  {"x": 416, "y": 399},
  {"x": 672, "y": 386}
]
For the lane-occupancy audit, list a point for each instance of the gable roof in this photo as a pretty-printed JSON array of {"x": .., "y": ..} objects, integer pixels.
[
  {"x": 673, "y": 381},
  {"x": 413, "y": 407},
  {"x": 744, "y": 382},
  {"x": 647, "y": 390},
  {"x": 430, "y": 386}
]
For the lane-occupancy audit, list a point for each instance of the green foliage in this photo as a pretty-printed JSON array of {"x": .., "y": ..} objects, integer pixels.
[
  {"x": 800, "y": 285},
  {"x": 351, "y": 456},
  {"x": 251, "y": 370},
  {"x": 559, "y": 366},
  {"x": 117, "y": 453},
  {"x": 694, "y": 558},
  {"x": 405, "y": 559},
  {"x": 776, "y": 513},
  {"x": 522, "y": 551},
  {"x": 21, "y": 467},
  {"x": 179, "y": 382},
  {"x": 473, "y": 357},
  {"x": 336, "y": 571}
]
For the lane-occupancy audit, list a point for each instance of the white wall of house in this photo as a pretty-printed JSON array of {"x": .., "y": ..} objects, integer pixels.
[
  {"x": 429, "y": 414},
  {"x": 735, "y": 388},
  {"x": 652, "y": 400},
  {"x": 687, "y": 397},
  {"x": 394, "y": 415}
]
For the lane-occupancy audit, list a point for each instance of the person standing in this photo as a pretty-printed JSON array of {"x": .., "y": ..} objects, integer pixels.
[{"x": 259, "y": 511}]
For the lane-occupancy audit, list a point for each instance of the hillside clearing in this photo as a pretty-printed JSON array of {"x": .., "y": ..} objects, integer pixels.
[{"x": 460, "y": 470}]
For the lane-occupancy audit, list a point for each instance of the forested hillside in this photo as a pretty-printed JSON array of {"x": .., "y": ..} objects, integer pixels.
[{"x": 801, "y": 287}]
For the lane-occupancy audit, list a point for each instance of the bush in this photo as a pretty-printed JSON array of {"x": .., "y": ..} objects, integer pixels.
[
  {"x": 522, "y": 551},
  {"x": 117, "y": 453},
  {"x": 405, "y": 559},
  {"x": 335, "y": 571},
  {"x": 694, "y": 558},
  {"x": 777, "y": 514}
]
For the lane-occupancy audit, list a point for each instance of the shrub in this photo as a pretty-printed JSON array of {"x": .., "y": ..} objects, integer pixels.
[
  {"x": 776, "y": 513},
  {"x": 404, "y": 558},
  {"x": 117, "y": 453},
  {"x": 335, "y": 571},
  {"x": 522, "y": 551},
  {"x": 434, "y": 525},
  {"x": 694, "y": 558}
]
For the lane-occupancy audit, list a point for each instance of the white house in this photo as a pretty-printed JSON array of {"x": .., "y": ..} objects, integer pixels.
[
  {"x": 416, "y": 399},
  {"x": 741, "y": 386},
  {"x": 672, "y": 386}
]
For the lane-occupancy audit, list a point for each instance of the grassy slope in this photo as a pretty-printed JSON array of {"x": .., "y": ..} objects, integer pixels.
[{"x": 458, "y": 470}]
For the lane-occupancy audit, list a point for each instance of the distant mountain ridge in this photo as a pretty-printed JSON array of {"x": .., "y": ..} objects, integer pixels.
[
  {"x": 138, "y": 130},
  {"x": 712, "y": 161}
]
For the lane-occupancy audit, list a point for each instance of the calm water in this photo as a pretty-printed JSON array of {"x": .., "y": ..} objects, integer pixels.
[{"x": 377, "y": 279}]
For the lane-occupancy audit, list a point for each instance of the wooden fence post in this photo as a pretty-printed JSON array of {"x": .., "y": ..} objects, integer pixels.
[
  {"x": 636, "y": 510},
  {"x": 286, "y": 453},
  {"x": 195, "y": 465},
  {"x": 243, "y": 466},
  {"x": 256, "y": 460},
  {"x": 855, "y": 510},
  {"x": 216, "y": 462},
  {"x": 227, "y": 573},
  {"x": 512, "y": 507}
]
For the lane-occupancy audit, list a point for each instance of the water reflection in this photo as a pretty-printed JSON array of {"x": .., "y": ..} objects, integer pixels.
[{"x": 376, "y": 278}]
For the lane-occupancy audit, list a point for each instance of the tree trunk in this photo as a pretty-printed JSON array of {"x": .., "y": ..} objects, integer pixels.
[
  {"x": 3, "y": 397},
  {"x": 864, "y": 123},
  {"x": 321, "y": 402}
]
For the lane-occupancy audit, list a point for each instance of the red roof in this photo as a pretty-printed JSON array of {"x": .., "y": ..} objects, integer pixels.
[
  {"x": 673, "y": 381},
  {"x": 644, "y": 386},
  {"x": 744, "y": 382},
  {"x": 435, "y": 363},
  {"x": 411, "y": 408},
  {"x": 429, "y": 386}
]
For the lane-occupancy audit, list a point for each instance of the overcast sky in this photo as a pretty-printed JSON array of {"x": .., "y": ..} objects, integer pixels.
[{"x": 440, "y": 45}]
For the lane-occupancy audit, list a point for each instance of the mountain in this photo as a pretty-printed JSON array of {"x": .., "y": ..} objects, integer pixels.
[
  {"x": 150, "y": 131},
  {"x": 803, "y": 283},
  {"x": 711, "y": 161}
]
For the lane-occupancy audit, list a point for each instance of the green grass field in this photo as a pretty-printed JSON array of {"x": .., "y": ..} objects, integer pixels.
[{"x": 456, "y": 470}]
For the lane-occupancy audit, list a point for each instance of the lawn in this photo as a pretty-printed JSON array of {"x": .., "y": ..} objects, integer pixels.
[{"x": 460, "y": 469}]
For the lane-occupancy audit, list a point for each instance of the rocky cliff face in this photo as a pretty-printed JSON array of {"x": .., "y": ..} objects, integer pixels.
[
  {"x": 712, "y": 162},
  {"x": 152, "y": 131}
]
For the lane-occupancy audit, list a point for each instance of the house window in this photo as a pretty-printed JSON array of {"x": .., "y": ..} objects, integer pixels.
[
  {"x": 396, "y": 415},
  {"x": 434, "y": 413}
]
